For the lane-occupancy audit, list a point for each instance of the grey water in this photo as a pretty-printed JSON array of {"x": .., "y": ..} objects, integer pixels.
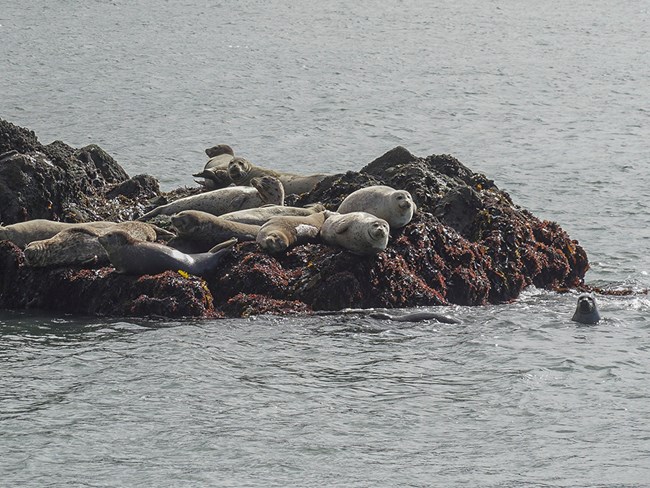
[{"x": 549, "y": 99}]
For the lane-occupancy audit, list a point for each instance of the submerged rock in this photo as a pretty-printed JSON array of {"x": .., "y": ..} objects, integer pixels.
[{"x": 468, "y": 243}]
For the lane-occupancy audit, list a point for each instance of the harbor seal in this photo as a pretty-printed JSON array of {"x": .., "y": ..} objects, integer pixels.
[
  {"x": 358, "y": 232},
  {"x": 261, "y": 215},
  {"x": 394, "y": 206},
  {"x": 215, "y": 172},
  {"x": 23, "y": 233},
  {"x": 586, "y": 310},
  {"x": 218, "y": 150},
  {"x": 414, "y": 317},
  {"x": 282, "y": 232},
  {"x": 199, "y": 231},
  {"x": 132, "y": 257},
  {"x": 80, "y": 245},
  {"x": 242, "y": 171},
  {"x": 265, "y": 190}
]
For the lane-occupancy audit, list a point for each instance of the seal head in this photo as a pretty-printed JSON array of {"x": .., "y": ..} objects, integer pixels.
[{"x": 586, "y": 310}]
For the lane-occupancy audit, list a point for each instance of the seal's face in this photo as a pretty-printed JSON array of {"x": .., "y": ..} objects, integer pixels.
[
  {"x": 114, "y": 239},
  {"x": 275, "y": 242},
  {"x": 270, "y": 188},
  {"x": 238, "y": 169},
  {"x": 378, "y": 230},
  {"x": 586, "y": 310},
  {"x": 404, "y": 201},
  {"x": 183, "y": 223},
  {"x": 586, "y": 304}
]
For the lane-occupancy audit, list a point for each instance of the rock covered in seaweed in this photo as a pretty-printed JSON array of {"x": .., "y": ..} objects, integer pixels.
[{"x": 468, "y": 244}]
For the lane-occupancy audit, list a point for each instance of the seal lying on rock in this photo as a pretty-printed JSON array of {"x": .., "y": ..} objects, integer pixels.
[
  {"x": 265, "y": 190},
  {"x": 80, "y": 245},
  {"x": 394, "y": 206},
  {"x": 358, "y": 232},
  {"x": 199, "y": 231},
  {"x": 586, "y": 310},
  {"x": 241, "y": 172},
  {"x": 23, "y": 233},
  {"x": 282, "y": 232},
  {"x": 132, "y": 257},
  {"x": 261, "y": 215},
  {"x": 215, "y": 172}
]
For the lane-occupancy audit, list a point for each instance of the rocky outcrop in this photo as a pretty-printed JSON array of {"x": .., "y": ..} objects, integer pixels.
[{"x": 468, "y": 243}]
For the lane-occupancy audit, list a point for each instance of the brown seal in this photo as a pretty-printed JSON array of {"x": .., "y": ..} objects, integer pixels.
[
  {"x": 23, "y": 233},
  {"x": 242, "y": 171},
  {"x": 282, "y": 232},
  {"x": 80, "y": 245},
  {"x": 199, "y": 231},
  {"x": 215, "y": 172}
]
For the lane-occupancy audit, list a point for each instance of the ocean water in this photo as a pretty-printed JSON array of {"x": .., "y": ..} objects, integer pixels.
[{"x": 550, "y": 100}]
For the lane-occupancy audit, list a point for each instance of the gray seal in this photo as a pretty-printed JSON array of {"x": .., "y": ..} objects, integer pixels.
[
  {"x": 358, "y": 232},
  {"x": 261, "y": 215},
  {"x": 132, "y": 257},
  {"x": 80, "y": 245},
  {"x": 415, "y": 317},
  {"x": 586, "y": 310},
  {"x": 394, "y": 206},
  {"x": 265, "y": 190},
  {"x": 282, "y": 232}
]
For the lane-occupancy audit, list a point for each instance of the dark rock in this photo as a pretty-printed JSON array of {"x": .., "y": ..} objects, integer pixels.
[{"x": 467, "y": 244}]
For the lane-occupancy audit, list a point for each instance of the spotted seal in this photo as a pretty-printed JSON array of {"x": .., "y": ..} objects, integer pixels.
[
  {"x": 132, "y": 257},
  {"x": 265, "y": 190},
  {"x": 394, "y": 206},
  {"x": 80, "y": 245},
  {"x": 242, "y": 171},
  {"x": 586, "y": 310},
  {"x": 358, "y": 232},
  {"x": 282, "y": 232},
  {"x": 199, "y": 231},
  {"x": 261, "y": 215},
  {"x": 23, "y": 233}
]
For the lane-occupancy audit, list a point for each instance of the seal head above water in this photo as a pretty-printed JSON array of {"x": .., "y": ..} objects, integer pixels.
[{"x": 586, "y": 310}]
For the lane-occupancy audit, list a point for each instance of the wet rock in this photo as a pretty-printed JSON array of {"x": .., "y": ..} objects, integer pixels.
[{"x": 468, "y": 243}]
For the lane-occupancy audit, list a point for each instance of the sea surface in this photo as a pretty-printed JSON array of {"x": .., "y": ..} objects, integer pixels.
[{"x": 549, "y": 99}]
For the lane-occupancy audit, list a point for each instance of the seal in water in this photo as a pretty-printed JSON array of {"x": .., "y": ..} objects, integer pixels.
[
  {"x": 80, "y": 245},
  {"x": 394, "y": 206},
  {"x": 132, "y": 257},
  {"x": 242, "y": 171},
  {"x": 586, "y": 310},
  {"x": 358, "y": 232},
  {"x": 282, "y": 232},
  {"x": 199, "y": 231},
  {"x": 265, "y": 190},
  {"x": 414, "y": 317}
]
